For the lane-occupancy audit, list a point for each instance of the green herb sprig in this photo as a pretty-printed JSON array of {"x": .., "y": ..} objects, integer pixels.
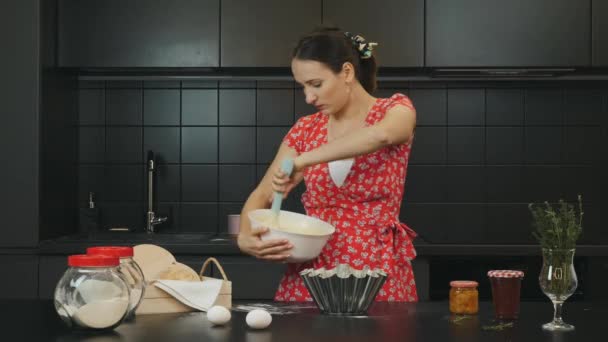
[
  {"x": 557, "y": 228},
  {"x": 498, "y": 327}
]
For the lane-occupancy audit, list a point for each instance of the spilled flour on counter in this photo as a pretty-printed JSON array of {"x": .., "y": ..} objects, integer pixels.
[
  {"x": 100, "y": 314},
  {"x": 276, "y": 308}
]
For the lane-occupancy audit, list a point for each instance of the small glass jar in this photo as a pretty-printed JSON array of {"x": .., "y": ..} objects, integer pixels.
[
  {"x": 91, "y": 293},
  {"x": 506, "y": 287},
  {"x": 464, "y": 297},
  {"x": 129, "y": 270}
]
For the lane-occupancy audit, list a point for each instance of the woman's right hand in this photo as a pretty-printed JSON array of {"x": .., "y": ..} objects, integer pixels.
[
  {"x": 272, "y": 250},
  {"x": 284, "y": 183}
]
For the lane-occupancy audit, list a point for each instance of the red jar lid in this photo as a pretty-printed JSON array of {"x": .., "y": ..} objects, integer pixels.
[
  {"x": 82, "y": 260},
  {"x": 506, "y": 274},
  {"x": 119, "y": 251},
  {"x": 463, "y": 283}
]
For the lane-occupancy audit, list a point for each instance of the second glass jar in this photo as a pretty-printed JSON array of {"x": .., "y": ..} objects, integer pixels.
[{"x": 464, "y": 297}]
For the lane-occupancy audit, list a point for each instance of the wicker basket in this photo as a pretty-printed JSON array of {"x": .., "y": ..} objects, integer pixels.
[{"x": 158, "y": 301}]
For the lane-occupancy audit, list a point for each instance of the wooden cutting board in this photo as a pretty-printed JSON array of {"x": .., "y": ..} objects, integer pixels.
[{"x": 153, "y": 260}]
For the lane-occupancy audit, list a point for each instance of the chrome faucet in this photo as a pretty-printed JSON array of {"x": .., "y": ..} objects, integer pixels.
[{"x": 151, "y": 219}]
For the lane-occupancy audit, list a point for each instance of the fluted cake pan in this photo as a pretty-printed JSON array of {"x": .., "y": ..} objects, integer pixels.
[{"x": 343, "y": 290}]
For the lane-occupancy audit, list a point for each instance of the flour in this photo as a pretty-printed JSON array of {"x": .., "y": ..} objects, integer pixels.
[
  {"x": 101, "y": 314},
  {"x": 134, "y": 297}
]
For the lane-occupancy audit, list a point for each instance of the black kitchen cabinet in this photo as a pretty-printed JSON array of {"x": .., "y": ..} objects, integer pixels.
[
  {"x": 262, "y": 33},
  {"x": 255, "y": 279},
  {"x": 599, "y": 33},
  {"x": 251, "y": 278},
  {"x": 397, "y": 25},
  {"x": 138, "y": 33},
  {"x": 22, "y": 281},
  {"x": 50, "y": 270},
  {"x": 19, "y": 135},
  {"x": 516, "y": 33}
]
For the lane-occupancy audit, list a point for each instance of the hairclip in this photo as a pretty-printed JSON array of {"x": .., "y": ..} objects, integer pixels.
[{"x": 365, "y": 48}]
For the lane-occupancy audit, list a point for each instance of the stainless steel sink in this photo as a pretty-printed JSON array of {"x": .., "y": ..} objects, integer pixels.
[{"x": 155, "y": 237}]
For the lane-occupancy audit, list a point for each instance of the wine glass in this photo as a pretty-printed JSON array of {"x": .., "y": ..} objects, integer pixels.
[{"x": 558, "y": 281}]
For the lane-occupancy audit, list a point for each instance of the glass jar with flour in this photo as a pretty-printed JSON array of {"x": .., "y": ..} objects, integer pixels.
[
  {"x": 91, "y": 293},
  {"x": 129, "y": 269}
]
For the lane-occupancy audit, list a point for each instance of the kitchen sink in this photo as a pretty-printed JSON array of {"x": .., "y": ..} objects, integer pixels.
[{"x": 182, "y": 238}]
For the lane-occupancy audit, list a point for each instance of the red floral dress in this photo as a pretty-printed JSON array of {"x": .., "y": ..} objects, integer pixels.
[{"x": 364, "y": 210}]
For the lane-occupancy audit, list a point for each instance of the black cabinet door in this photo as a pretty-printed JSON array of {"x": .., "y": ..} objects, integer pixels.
[
  {"x": 138, "y": 33},
  {"x": 251, "y": 278},
  {"x": 262, "y": 33},
  {"x": 22, "y": 281},
  {"x": 19, "y": 135},
  {"x": 397, "y": 25},
  {"x": 600, "y": 33},
  {"x": 480, "y": 33},
  {"x": 50, "y": 271}
]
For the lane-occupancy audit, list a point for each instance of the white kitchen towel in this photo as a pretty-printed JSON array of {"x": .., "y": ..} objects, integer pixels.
[{"x": 199, "y": 295}]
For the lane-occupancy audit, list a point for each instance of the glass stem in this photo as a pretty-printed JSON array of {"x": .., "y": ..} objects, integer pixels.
[{"x": 557, "y": 311}]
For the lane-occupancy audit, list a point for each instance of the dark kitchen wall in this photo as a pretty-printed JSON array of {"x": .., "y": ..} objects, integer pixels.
[
  {"x": 482, "y": 151},
  {"x": 58, "y": 135}
]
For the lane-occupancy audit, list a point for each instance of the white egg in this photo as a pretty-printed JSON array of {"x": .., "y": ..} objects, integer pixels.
[
  {"x": 218, "y": 315},
  {"x": 258, "y": 319}
]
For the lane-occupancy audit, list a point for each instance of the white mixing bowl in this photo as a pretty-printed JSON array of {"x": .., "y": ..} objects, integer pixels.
[{"x": 307, "y": 234}]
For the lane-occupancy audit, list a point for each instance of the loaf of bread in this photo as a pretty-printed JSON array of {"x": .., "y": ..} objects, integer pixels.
[{"x": 179, "y": 271}]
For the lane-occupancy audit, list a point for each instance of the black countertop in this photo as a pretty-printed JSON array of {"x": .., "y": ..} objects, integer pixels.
[
  {"x": 22, "y": 320},
  {"x": 208, "y": 244}
]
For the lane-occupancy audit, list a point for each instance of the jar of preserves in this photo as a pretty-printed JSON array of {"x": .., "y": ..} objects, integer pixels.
[{"x": 464, "y": 297}]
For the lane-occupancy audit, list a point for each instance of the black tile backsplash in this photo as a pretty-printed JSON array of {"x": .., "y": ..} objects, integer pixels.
[
  {"x": 236, "y": 182},
  {"x": 274, "y": 107},
  {"x": 124, "y": 144},
  {"x": 466, "y": 184},
  {"x": 504, "y": 145},
  {"x": 91, "y": 107},
  {"x": 237, "y": 145},
  {"x": 199, "y": 183},
  {"x": 431, "y": 106},
  {"x": 199, "y": 145},
  {"x": 91, "y": 178},
  {"x": 124, "y": 183},
  {"x": 543, "y": 145},
  {"x": 466, "y": 107},
  {"x": 482, "y": 152},
  {"x": 237, "y": 107},
  {"x": 465, "y": 145},
  {"x": 504, "y": 107},
  {"x": 268, "y": 142},
  {"x": 164, "y": 141},
  {"x": 92, "y": 141},
  {"x": 543, "y": 107},
  {"x": 430, "y": 145},
  {"x": 199, "y": 217},
  {"x": 199, "y": 107},
  {"x": 161, "y": 107},
  {"x": 124, "y": 106},
  {"x": 504, "y": 183},
  {"x": 583, "y": 107},
  {"x": 167, "y": 181}
]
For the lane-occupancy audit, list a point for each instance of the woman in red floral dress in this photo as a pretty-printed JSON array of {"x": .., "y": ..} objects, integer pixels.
[{"x": 371, "y": 138}]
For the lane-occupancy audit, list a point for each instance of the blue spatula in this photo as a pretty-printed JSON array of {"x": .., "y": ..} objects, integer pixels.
[{"x": 286, "y": 168}]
